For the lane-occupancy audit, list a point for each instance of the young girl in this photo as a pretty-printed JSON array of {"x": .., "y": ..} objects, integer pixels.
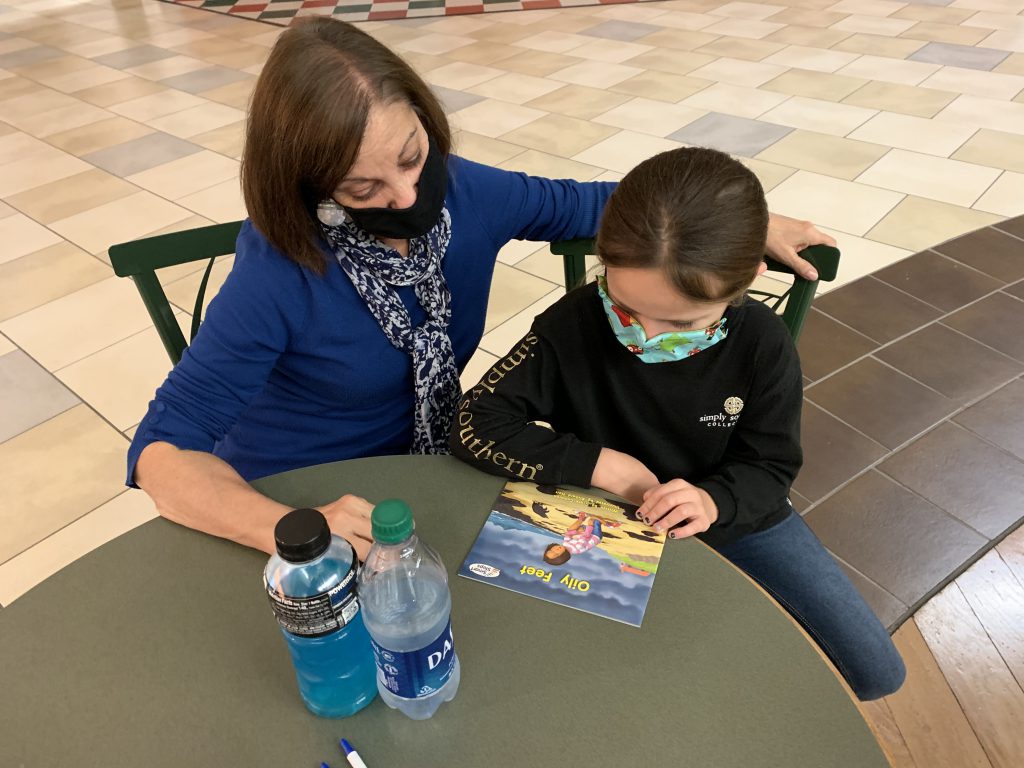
[{"x": 664, "y": 384}]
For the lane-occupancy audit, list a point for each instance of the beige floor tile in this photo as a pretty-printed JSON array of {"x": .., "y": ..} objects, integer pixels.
[
  {"x": 434, "y": 44},
  {"x": 119, "y": 91},
  {"x": 61, "y": 119},
  {"x": 933, "y": 13},
  {"x": 183, "y": 292},
  {"x": 227, "y": 140},
  {"x": 596, "y": 74},
  {"x": 475, "y": 369},
  {"x": 769, "y": 174},
  {"x": 738, "y": 72},
  {"x": 100, "y": 46},
  {"x": 58, "y": 550},
  {"x": 21, "y": 236},
  {"x": 743, "y": 10},
  {"x": 494, "y": 118},
  {"x": 515, "y": 87},
  {"x": 460, "y": 76},
  {"x": 90, "y": 455},
  {"x": 993, "y": 85},
  {"x": 662, "y": 86},
  {"x": 79, "y": 324},
  {"x": 735, "y": 100},
  {"x": 89, "y": 76},
  {"x": 99, "y": 135},
  {"x": 741, "y": 48},
  {"x": 995, "y": 149},
  {"x": 15, "y": 87},
  {"x": 624, "y": 150},
  {"x": 220, "y": 203},
  {"x": 421, "y": 62},
  {"x": 866, "y": 7},
  {"x": 1005, "y": 40},
  {"x": 917, "y": 223},
  {"x": 176, "y": 65},
  {"x": 119, "y": 221},
  {"x": 749, "y": 28},
  {"x": 805, "y": 57},
  {"x": 37, "y": 101},
  {"x": 612, "y": 51},
  {"x": 6, "y": 345},
  {"x": 860, "y": 257},
  {"x": 505, "y": 34},
  {"x": 16, "y": 146},
  {"x": 677, "y": 39},
  {"x": 198, "y": 119},
  {"x": 561, "y": 135},
  {"x": 649, "y": 116},
  {"x": 1011, "y": 65},
  {"x": 186, "y": 175},
  {"x": 512, "y": 292},
  {"x": 46, "y": 275},
  {"x": 669, "y": 19},
  {"x": 990, "y": 20},
  {"x": 890, "y": 70},
  {"x": 543, "y": 264},
  {"x": 814, "y": 85},
  {"x": 538, "y": 63},
  {"x": 905, "y": 99},
  {"x": 483, "y": 149},
  {"x": 645, "y": 14},
  {"x": 807, "y": 17},
  {"x": 830, "y": 202},
  {"x": 933, "y": 32},
  {"x": 537, "y": 163},
  {"x": 119, "y": 381},
  {"x": 812, "y": 37},
  {"x": 985, "y": 113},
  {"x": 876, "y": 45},
  {"x": 873, "y": 25},
  {"x": 67, "y": 197},
  {"x": 1005, "y": 196},
  {"x": 824, "y": 154},
  {"x": 515, "y": 251},
  {"x": 553, "y": 41},
  {"x": 913, "y": 133},
  {"x": 672, "y": 62},
  {"x": 484, "y": 52},
  {"x": 30, "y": 172},
  {"x": 820, "y": 116},
  {"x": 156, "y": 105},
  {"x": 235, "y": 95},
  {"x": 935, "y": 178}
]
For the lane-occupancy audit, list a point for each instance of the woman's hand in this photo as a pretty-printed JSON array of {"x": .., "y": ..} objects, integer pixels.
[
  {"x": 349, "y": 517},
  {"x": 786, "y": 237},
  {"x": 623, "y": 475},
  {"x": 677, "y": 503}
]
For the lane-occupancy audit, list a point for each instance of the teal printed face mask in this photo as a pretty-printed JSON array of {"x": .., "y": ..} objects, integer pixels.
[{"x": 663, "y": 348}]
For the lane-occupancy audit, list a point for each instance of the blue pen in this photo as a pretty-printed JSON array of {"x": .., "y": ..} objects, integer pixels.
[{"x": 350, "y": 753}]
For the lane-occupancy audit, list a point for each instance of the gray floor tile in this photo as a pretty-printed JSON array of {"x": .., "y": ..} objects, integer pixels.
[
  {"x": 453, "y": 100},
  {"x": 951, "y": 55},
  {"x": 140, "y": 154},
  {"x": 887, "y": 608},
  {"x": 205, "y": 79},
  {"x": 29, "y": 393},
  {"x": 134, "y": 57},
  {"x": 27, "y": 56},
  {"x": 621, "y": 30},
  {"x": 735, "y": 135}
]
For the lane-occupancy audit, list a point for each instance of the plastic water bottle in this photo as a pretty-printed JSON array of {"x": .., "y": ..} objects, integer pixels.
[
  {"x": 407, "y": 606},
  {"x": 311, "y": 582}
]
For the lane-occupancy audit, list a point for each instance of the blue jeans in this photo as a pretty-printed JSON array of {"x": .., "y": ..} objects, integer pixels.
[{"x": 793, "y": 566}]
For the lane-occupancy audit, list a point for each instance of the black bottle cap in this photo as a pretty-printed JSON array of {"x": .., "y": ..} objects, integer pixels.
[{"x": 302, "y": 535}]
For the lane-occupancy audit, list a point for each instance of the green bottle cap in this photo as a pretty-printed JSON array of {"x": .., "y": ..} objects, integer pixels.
[{"x": 391, "y": 521}]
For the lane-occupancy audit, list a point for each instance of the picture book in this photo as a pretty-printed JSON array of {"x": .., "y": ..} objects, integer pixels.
[{"x": 569, "y": 547}]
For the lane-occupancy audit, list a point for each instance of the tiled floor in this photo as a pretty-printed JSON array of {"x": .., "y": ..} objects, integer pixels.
[{"x": 896, "y": 126}]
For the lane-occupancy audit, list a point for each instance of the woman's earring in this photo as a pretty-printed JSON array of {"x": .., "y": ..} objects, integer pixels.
[{"x": 330, "y": 213}]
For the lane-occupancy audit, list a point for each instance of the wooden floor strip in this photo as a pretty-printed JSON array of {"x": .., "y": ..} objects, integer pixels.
[
  {"x": 933, "y": 725},
  {"x": 889, "y": 736},
  {"x": 1011, "y": 549},
  {"x": 986, "y": 689}
]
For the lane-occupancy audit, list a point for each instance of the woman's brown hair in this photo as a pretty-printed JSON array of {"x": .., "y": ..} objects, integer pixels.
[
  {"x": 696, "y": 213},
  {"x": 307, "y": 118}
]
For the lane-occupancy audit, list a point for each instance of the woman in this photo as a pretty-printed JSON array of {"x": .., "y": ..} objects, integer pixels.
[{"x": 358, "y": 292}]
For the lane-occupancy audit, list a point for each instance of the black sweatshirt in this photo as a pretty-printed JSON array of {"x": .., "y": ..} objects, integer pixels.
[{"x": 681, "y": 419}]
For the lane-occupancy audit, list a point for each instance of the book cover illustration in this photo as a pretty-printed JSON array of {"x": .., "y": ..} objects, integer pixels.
[{"x": 569, "y": 547}]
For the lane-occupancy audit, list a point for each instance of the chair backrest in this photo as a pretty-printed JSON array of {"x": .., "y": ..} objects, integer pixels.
[
  {"x": 796, "y": 299},
  {"x": 140, "y": 259}
]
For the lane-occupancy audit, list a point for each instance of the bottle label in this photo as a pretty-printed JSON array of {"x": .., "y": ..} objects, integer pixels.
[
  {"x": 317, "y": 615},
  {"x": 414, "y": 674}
]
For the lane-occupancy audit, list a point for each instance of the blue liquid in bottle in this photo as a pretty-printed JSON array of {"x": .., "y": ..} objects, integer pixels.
[{"x": 311, "y": 583}]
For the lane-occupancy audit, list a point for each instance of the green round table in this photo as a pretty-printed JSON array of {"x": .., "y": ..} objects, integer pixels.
[{"x": 159, "y": 649}]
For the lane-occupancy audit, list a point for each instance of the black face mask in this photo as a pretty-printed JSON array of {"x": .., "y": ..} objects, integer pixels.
[{"x": 420, "y": 217}]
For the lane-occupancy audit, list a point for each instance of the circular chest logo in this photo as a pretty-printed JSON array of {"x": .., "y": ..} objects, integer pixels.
[{"x": 733, "y": 405}]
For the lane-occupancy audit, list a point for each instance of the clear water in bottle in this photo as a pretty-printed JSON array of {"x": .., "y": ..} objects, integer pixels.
[
  {"x": 311, "y": 583},
  {"x": 407, "y": 608}
]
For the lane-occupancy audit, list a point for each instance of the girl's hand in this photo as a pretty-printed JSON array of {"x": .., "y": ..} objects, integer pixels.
[
  {"x": 786, "y": 237},
  {"x": 349, "y": 517},
  {"x": 677, "y": 503}
]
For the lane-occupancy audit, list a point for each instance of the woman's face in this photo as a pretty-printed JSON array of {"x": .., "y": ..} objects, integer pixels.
[{"x": 387, "y": 169}]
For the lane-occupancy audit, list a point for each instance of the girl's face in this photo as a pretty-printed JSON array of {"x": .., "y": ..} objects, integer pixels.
[
  {"x": 387, "y": 168},
  {"x": 647, "y": 294}
]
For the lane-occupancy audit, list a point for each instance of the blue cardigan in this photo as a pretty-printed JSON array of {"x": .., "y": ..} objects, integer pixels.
[{"x": 290, "y": 369}]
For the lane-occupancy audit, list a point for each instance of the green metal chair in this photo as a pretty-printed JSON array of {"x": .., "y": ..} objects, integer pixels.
[
  {"x": 797, "y": 298},
  {"x": 140, "y": 260}
]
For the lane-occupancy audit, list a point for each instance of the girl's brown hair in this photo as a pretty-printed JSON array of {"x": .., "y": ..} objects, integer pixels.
[
  {"x": 559, "y": 559},
  {"x": 307, "y": 118},
  {"x": 695, "y": 213}
]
